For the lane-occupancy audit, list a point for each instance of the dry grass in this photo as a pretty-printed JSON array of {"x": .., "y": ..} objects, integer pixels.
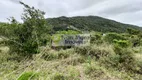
[{"x": 63, "y": 65}]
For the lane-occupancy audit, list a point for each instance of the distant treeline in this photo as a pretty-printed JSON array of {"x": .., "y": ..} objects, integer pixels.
[{"x": 90, "y": 23}]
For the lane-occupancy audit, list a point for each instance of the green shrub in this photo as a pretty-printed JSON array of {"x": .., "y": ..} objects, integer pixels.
[
  {"x": 135, "y": 40},
  {"x": 124, "y": 59},
  {"x": 93, "y": 71},
  {"x": 140, "y": 35},
  {"x": 65, "y": 53},
  {"x": 68, "y": 32},
  {"x": 98, "y": 52},
  {"x": 96, "y": 38},
  {"x": 94, "y": 51},
  {"x": 109, "y": 37},
  {"x": 133, "y": 31},
  {"x": 122, "y": 43},
  {"x": 28, "y": 36},
  {"x": 83, "y": 50},
  {"x": 28, "y": 76},
  {"x": 58, "y": 76}
]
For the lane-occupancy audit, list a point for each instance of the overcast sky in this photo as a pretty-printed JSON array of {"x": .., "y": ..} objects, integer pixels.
[{"x": 126, "y": 11}]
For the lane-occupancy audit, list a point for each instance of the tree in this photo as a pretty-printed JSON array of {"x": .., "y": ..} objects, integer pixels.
[
  {"x": 133, "y": 31},
  {"x": 31, "y": 34}
]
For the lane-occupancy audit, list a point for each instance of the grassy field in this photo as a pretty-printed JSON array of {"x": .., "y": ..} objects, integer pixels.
[{"x": 66, "y": 64}]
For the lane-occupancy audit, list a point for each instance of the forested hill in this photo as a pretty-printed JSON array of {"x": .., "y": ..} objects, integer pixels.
[{"x": 90, "y": 23}]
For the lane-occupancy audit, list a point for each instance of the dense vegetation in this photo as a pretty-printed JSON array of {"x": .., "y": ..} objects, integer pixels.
[
  {"x": 26, "y": 52},
  {"x": 90, "y": 23}
]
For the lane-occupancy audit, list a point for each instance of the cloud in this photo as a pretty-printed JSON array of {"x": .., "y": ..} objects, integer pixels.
[
  {"x": 14, "y": 1},
  {"x": 8, "y": 9},
  {"x": 126, "y": 11},
  {"x": 120, "y": 7}
]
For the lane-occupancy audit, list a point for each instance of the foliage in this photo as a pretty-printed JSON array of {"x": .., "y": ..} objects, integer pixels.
[
  {"x": 68, "y": 32},
  {"x": 135, "y": 40},
  {"x": 29, "y": 35},
  {"x": 109, "y": 37},
  {"x": 6, "y": 30},
  {"x": 89, "y": 23},
  {"x": 122, "y": 43},
  {"x": 94, "y": 71},
  {"x": 27, "y": 76},
  {"x": 58, "y": 76},
  {"x": 124, "y": 58},
  {"x": 140, "y": 35},
  {"x": 133, "y": 31},
  {"x": 94, "y": 51},
  {"x": 96, "y": 38}
]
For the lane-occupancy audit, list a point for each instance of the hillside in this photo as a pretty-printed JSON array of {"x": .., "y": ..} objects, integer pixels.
[{"x": 90, "y": 23}]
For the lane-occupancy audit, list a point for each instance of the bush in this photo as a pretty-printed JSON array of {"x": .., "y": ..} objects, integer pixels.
[
  {"x": 133, "y": 31},
  {"x": 68, "y": 32},
  {"x": 83, "y": 50},
  {"x": 28, "y": 36},
  {"x": 111, "y": 36},
  {"x": 94, "y": 71},
  {"x": 96, "y": 38},
  {"x": 140, "y": 35},
  {"x": 135, "y": 40},
  {"x": 122, "y": 43},
  {"x": 58, "y": 76},
  {"x": 95, "y": 51},
  {"x": 124, "y": 59},
  {"x": 98, "y": 52}
]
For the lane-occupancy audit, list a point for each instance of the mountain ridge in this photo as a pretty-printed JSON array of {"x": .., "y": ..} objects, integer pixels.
[{"x": 90, "y": 23}]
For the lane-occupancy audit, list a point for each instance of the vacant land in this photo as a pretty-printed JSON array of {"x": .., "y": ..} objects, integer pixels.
[{"x": 26, "y": 52}]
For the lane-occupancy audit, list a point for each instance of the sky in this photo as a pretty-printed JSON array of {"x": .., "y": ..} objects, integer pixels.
[{"x": 125, "y": 11}]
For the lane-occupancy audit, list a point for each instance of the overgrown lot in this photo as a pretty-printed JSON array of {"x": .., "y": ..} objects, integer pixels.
[{"x": 26, "y": 52}]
